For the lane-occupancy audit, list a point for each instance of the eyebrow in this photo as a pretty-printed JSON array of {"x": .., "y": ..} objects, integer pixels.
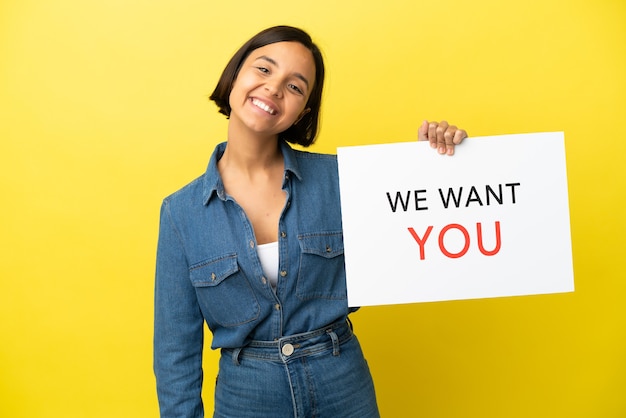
[{"x": 273, "y": 62}]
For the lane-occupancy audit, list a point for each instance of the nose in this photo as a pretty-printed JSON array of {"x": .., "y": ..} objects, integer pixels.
[{"x": 273, "y": 88}]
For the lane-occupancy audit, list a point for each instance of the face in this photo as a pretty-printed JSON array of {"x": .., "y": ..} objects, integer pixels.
[{"x": 272, "y": 88}]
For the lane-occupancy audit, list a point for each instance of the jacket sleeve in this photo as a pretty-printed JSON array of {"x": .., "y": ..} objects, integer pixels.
[{"x": 178, "y": 327}]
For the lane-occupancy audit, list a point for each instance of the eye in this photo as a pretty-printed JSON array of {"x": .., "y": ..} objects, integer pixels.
[
  {"x": 263, "y": 70},
  {"x": 295, "y": 88}
]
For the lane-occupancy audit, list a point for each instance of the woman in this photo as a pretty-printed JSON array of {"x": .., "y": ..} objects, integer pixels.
[{"x": 254, "y": 248}]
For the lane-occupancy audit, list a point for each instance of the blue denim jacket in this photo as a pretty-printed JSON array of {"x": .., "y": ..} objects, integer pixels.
[{"x": 208, "y": 270}]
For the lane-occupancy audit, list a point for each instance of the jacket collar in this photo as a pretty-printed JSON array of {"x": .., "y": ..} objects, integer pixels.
[{"x": 213, "y": 182}]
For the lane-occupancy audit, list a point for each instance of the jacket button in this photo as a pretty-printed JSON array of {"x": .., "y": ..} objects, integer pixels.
[
  {"x": 283, "y": 234},
  {"x": 287, "y": 349},
  {"x": 263, "y": 280},
  {"x": 213, "y": 276},
  {"x": 283, "y": 273}
]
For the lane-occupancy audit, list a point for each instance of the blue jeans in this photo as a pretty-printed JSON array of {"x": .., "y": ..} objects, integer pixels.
[{"x": 318, "y": 374}]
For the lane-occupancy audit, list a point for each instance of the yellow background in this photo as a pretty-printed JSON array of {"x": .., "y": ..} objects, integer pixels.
[{"x": 104, "y": 111}]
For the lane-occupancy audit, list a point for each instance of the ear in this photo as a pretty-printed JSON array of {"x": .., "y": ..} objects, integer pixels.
[{"x": 304, "y": 112}]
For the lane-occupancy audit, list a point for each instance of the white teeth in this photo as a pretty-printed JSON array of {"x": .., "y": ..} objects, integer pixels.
[{"x": 263, "y": 106}]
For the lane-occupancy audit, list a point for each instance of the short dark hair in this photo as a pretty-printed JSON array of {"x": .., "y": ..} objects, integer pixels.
[{"x": 305, "y": 131}]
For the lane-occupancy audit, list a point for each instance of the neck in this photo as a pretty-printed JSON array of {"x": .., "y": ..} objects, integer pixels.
[{"x": 250, "y": 153}]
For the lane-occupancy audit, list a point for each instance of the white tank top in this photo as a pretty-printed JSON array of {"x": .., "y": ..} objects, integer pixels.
[{"x": 268, "y": 254}]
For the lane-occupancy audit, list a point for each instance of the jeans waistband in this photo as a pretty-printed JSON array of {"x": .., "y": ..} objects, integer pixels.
[{"x": 294, "y": 346}]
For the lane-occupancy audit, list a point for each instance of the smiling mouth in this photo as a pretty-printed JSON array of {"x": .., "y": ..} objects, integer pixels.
[{"x": 263, "y": 106}]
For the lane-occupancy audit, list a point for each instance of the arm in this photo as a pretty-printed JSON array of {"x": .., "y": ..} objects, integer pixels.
[{"x": 178, "y": 328}]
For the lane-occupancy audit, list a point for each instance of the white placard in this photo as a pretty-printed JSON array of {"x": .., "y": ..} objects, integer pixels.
[{"x": 490, "y": 221}]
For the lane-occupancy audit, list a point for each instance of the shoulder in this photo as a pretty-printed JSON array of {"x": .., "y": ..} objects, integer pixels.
[
  {"x": 319, "y": 165},
  {"x": 315, "y": 156},
  {"x": 199, "y": 190},
  {"x": 187, "y": 196}
]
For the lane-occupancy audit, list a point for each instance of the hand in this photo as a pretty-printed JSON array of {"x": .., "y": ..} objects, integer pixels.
[{"x": 441, "y": 135}]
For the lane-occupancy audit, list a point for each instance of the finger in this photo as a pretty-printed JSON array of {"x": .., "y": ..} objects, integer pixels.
[
  {"x": 459, "y": 136},
  {"x": 441, "y": 140},
  {"x": 448, "y": 136},
  {"x": 422, "y": 132},
  {"x": 432, "y": 134}
]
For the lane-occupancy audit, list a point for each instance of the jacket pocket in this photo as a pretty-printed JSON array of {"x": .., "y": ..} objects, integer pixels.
[
  {"x": 322, "y": 272},
  {"x": 224, "y": 292}
]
